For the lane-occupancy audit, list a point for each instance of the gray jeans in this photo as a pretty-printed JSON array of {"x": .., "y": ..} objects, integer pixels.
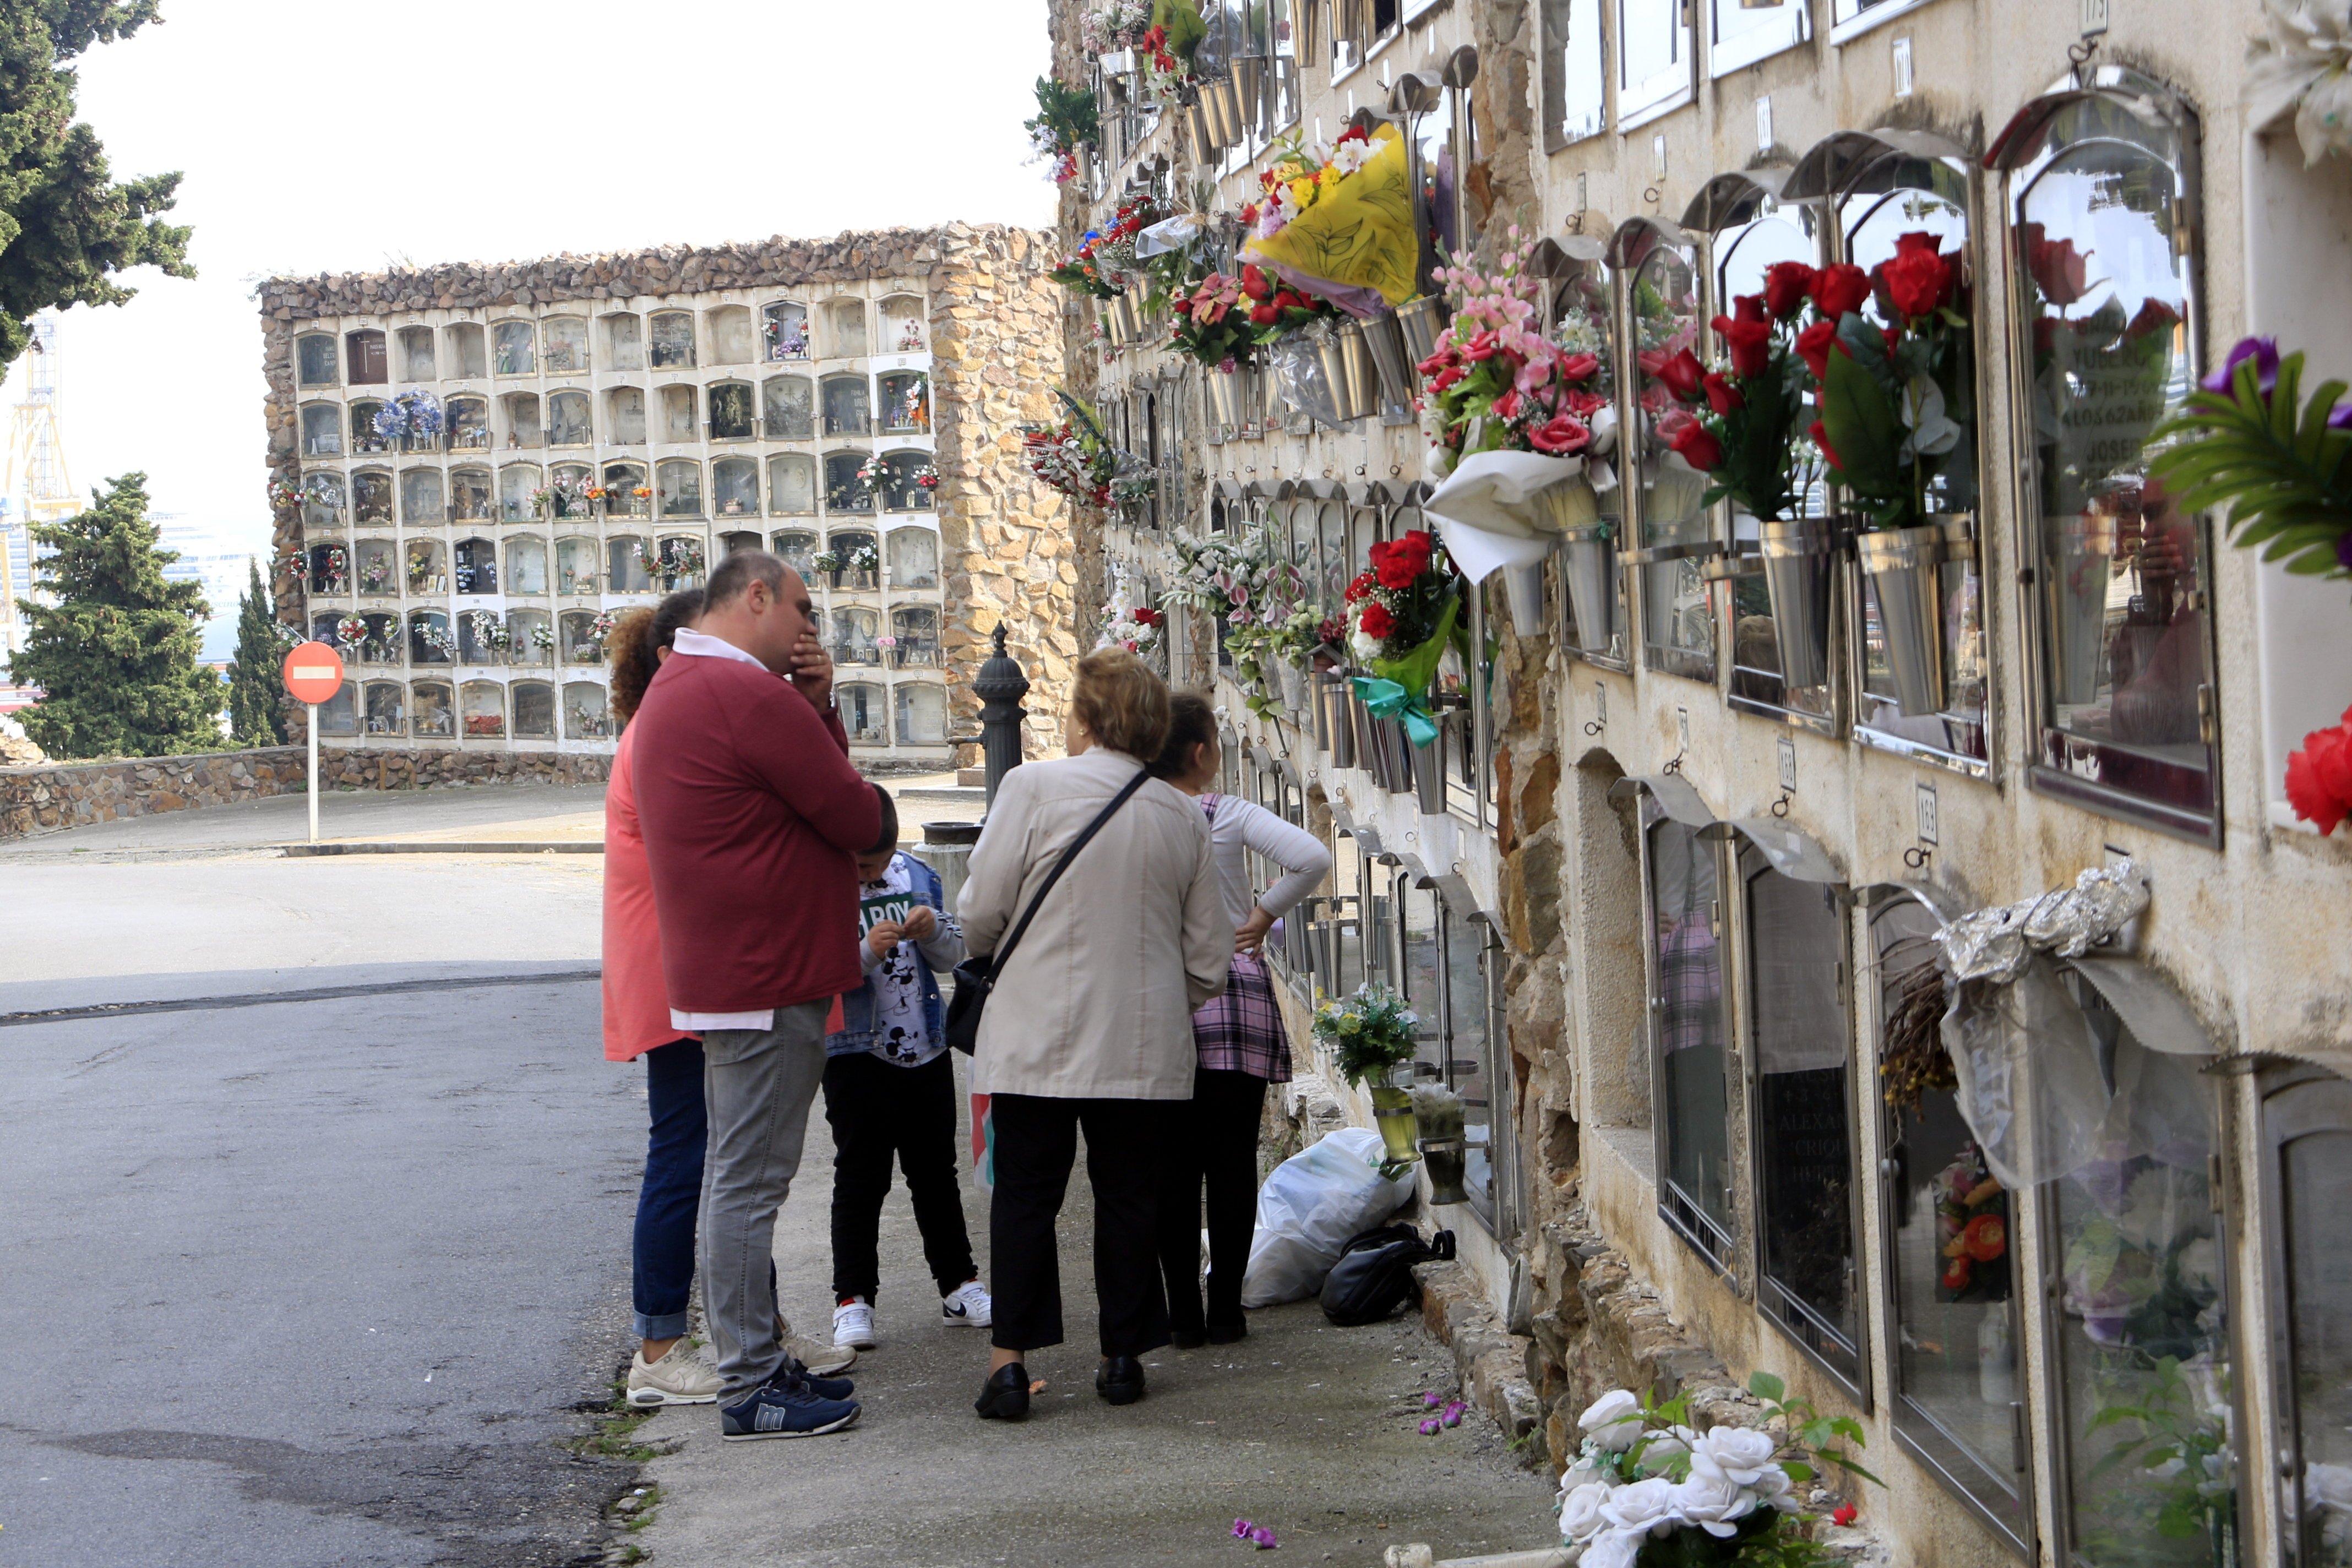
[{"x": 758, "y": 1086}]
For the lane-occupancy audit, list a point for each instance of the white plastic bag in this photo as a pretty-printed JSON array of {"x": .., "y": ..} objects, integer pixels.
[{"x": 1309, "y": 1208}]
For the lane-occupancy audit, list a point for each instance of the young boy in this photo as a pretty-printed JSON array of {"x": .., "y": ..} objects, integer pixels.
[{"x": 889, "y": 1088}]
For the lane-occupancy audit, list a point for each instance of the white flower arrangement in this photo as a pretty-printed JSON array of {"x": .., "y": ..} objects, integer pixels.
[
  {"x": 1643, "y": 1474},
  {"x": 1124, "y": 624}
]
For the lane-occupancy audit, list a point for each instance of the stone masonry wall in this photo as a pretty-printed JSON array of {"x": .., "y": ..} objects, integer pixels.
[
  {"x": 50, "y": 799},
  {"x": 997, "y": 345}
]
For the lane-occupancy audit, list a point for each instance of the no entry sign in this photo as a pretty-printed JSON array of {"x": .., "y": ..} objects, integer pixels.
[{"x": 314, "y": 672}]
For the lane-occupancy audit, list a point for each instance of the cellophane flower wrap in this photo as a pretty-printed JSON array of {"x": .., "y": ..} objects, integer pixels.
[
  {"x": 1071, "y": 455},
  {"x": 1896, "y": 404},
  {"x": 1648, "y": 1489},
  {"x": 1368, "y": 1032},
  {"x": 1495, "y": 383},
  {"x": 1338, "y": 221}
]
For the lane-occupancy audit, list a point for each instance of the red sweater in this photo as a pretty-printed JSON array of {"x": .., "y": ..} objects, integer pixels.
[{"x": 752, "y": 820}]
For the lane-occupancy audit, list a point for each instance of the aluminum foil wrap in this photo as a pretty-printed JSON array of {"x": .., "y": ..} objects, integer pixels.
[{"x": 1995, "y": 945}]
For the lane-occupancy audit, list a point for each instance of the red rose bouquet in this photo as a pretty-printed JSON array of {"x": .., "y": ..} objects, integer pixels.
[
  {"x": 2319, "y": 776},
  {"x": 1496, "y": 383},
  {"x": 1072, "y": 455},
  {"x": 1739, "y": 429},
  {"x": 1896, "y": 402},
  {"x": 1224, "y": 317},
  {"x": 1403, "y": 615}
]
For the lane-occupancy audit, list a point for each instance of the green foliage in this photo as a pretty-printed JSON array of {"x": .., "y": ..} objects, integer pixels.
[
  {"x": 1067, "y": 116},
  {"x": 256, "y": 717},
  {"x": 67, "y": 228},
  {"x": 1368, "y": 1033},
  {"x": 1809, "y": 1428},
  {"x": 2285, "y": 477},
  {"x": 116, "y": 655},
  {"x": 1185, "y": 28}
]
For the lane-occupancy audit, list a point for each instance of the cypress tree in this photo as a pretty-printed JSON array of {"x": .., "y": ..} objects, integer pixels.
[
  {"x": 256, "y": 716},
  {"x": 115, "y": 656}
]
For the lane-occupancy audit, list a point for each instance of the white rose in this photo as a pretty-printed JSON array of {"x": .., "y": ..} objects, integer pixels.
[
  {"x": 1664, "y": 1446},
  {"x": 1612, "y": 1549},
  {"x": 1774, "y": 1487},
  {"x": 1739, "y": 1455},
  {"x": 1614, "y": 1420},
  {"x": 1644, "y": 1505},
  {"x": 1713, "y": 1504},
  {"x": 1580, "y": 1511}
]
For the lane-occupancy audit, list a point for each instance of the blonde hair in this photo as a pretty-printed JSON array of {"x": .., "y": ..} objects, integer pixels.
[{"x": 1122, "y": 704}]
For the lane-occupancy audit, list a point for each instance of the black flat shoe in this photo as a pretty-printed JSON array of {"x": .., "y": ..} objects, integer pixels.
[
  {"x": 1187, "y": 1339},
  {"x": 1121, "y": 1380},
  {"x": 1227, "y": 1333},
  {"x": 1005, "y": 1395}
]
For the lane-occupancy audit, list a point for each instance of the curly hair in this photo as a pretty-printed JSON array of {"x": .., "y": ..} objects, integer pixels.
[
  {"x": 1122, "y": 702},
  {"x": 637, "y": 639}
]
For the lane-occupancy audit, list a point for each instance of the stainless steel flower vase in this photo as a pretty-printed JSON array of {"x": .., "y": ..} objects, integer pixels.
[
  {"x": 2082, "y": 556},
  {"x": 1224, "y": 388},
  {"x": 1800, "y": 567},
  {"x": 1359, "y": 388},
  {"x": 1221, "y": 104},
  {"x": 1327, "y": 377},
  {"x": 1420, "y": 320},
  {"x": 1588, "y": 555},
  {"x": 1429, "y": 773},
  {"x": 1385, "y": 338},
  {"x": 1338, "y": 733},
  {"x": 1905, "y": 568}
]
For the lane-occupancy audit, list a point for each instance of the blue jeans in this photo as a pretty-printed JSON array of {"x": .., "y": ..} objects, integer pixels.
[{"x": 663, "y": 1272}]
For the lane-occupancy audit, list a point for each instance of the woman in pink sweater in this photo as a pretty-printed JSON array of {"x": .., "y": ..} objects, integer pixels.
[{"x": 636, "y": 1023}]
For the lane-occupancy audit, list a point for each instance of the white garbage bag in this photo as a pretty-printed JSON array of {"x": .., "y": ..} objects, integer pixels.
[{"x": 1310, "y": 1206}]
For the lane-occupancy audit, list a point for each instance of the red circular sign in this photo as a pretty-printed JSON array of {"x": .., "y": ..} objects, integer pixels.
[{"x": 314, "y": 672}]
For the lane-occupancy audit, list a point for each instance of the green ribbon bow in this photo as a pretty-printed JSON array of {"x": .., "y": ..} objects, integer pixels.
[{"x": 1387, "y": 700}]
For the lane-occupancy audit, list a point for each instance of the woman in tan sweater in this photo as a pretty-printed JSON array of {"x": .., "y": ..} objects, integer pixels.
[{"x": 1090, "y": 1023}]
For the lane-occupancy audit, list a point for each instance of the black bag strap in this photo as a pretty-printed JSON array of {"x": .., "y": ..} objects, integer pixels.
[{"x": 1005, "y": 949}]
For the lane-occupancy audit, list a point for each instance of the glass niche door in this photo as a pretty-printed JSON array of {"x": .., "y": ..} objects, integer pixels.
[
  {"x": 1689, "y": 1060},
  {"x": 2307, "y": 1136},
  {"x": 1809, "y": 1277},
  {"x": 1677, "y": 533},
  {"x": 1953, "y": 1314}
]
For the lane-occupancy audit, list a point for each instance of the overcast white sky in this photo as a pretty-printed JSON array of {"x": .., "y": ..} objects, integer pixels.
[{"x": 323, "y": 135}]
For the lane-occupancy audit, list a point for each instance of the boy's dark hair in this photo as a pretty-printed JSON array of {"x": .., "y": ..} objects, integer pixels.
[
  {"x": 888, "y": 842},
  {"x": 1191, "y": 722}
]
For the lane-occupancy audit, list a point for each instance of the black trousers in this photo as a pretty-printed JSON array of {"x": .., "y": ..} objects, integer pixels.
[
  {"x": 1215, "y": 1142},
  {"x": 1035, "y": 1147},
  {"x": 879, "y": 1111}
]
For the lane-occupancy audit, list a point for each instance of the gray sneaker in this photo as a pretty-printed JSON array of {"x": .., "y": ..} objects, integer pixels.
[{"x": 678, "y": 1378}]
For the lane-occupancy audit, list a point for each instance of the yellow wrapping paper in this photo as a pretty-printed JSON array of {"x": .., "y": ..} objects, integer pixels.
[{"x": 1359, "y": 232}]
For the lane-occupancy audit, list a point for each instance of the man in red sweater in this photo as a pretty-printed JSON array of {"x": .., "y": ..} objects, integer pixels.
[{"x": 752, "y": 818}]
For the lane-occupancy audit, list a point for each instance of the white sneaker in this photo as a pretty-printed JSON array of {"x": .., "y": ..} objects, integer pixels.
[
  {"x": 853, "y": 1324},
  {"x": 968, "y": 1306},
  {"x": 678, "y": 1378}
]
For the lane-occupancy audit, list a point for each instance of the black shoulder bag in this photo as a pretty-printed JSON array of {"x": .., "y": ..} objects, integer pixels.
[{"x": 975, "y": 977}]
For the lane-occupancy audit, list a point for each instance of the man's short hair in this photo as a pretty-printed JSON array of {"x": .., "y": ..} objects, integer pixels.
[{"x": 733, "y": 575}]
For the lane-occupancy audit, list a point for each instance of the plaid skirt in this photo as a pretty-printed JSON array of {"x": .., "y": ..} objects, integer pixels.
[{"x": 1241, "y": 1031}]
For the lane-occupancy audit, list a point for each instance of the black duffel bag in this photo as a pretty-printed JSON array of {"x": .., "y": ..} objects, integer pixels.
[{"x": 1374, "y": 1275}]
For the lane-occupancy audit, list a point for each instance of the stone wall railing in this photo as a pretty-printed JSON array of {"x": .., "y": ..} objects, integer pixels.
[{"x": 52, "y": 798}]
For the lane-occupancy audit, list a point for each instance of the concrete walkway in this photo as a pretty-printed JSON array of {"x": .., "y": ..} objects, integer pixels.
[{"x": 1311, "y": 1430}]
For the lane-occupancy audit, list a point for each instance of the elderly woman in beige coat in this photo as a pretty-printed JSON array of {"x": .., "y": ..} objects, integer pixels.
[{"x": 1090, "y": 1023}]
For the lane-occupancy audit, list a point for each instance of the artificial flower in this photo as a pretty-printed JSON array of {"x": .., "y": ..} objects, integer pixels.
[
  {"x": 2263, "y": 352},
  {"x": 1646, "y": 1505},
  {"x": 1986, "y": 1237},
  {"x": 1786, "y": 286},
  {"x": 1560, "y": 436},
  {"x": 1750, "y": 343},
  {"x": 1375, "y": 621},
  {"x": 1821, "y": 436},
  {"x": 1713, "y": 1503},
  {"x": 1916, "y": 281},
  {"x": 1612, "y": 1549},
  {"x": 1682, "y": 374},
  {"x": 1721, "y": 396},
  {"x": 1813, "y": 347},
  {"x": 1692, "y": 439},
  {"x": 2319, "y": 776},
  {"x": 1580, "y": 1510},
  {"x": 1845, "y": 1515},
  {"x": 1839, "y": 290},
  {"x": 1613, "y": 1421},
  {"x": 1739, "y": 1455}
]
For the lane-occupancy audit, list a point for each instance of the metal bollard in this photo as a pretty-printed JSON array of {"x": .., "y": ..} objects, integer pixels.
[{"x": 1000, "y": 686}]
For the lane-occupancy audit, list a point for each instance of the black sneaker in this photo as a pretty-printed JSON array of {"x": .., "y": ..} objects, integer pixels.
[{"x": 785, "y": 1407}]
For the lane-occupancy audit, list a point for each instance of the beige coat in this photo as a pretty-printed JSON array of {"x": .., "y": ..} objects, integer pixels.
[{"x": 1097, "y": 1002}]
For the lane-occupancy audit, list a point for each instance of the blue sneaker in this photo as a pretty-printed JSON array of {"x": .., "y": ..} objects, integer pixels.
[
  {"x": 786, "y": 1405},
  {"x": 823, "y": 1387}
]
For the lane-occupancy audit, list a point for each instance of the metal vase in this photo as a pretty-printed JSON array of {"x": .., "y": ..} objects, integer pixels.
[
  {"x": 1523, "y": 588},
  {"x": 1385, "y": 338},
  {"x": 2083, "y": 554},
  {"x": 1420, "y": 320},
  {"x": 1905, "y": 568},
  {"x": 1331, "y": 371},
  {"x": 1290, "y": 683},
  {"x": 1588, "y": 556},
  {"x": 1429, "y": 773},
  {"x": 1249, "y": 84},
  {"x": 1800, "y": 565},
  {"x": 1318, "y": 715},
  {"x": 1360, "y": 395},
  {"x": 1224, "y": 397},
  {"x": 1127, "y": 326},
  {"x": 1338, "y": 734},
  {"x": 1221, "y": 103}
]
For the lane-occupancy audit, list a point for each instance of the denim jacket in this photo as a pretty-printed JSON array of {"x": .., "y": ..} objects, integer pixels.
[{"x": 857, "y": 1031}]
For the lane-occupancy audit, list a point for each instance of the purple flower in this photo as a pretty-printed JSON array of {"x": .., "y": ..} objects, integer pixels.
[
  {"x": 2265, "y": 355},
  {"x": 1263, "y": 1538},
  {"x": 2344, "y": 551},
  {"x": 1429, "y": 1427},
  {"x": 1432, "y": 1400},
  {"x": 1242, "y": 1529},
  {"x": 2342, "y": 418},
  {"x": 1453, "y": 1417}
]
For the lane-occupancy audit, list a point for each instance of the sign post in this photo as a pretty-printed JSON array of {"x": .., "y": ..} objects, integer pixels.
[{"x": 314, "y": 672}]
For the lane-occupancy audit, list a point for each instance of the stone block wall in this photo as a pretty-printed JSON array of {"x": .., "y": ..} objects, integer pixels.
[{"x": 53, "y": 798}]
